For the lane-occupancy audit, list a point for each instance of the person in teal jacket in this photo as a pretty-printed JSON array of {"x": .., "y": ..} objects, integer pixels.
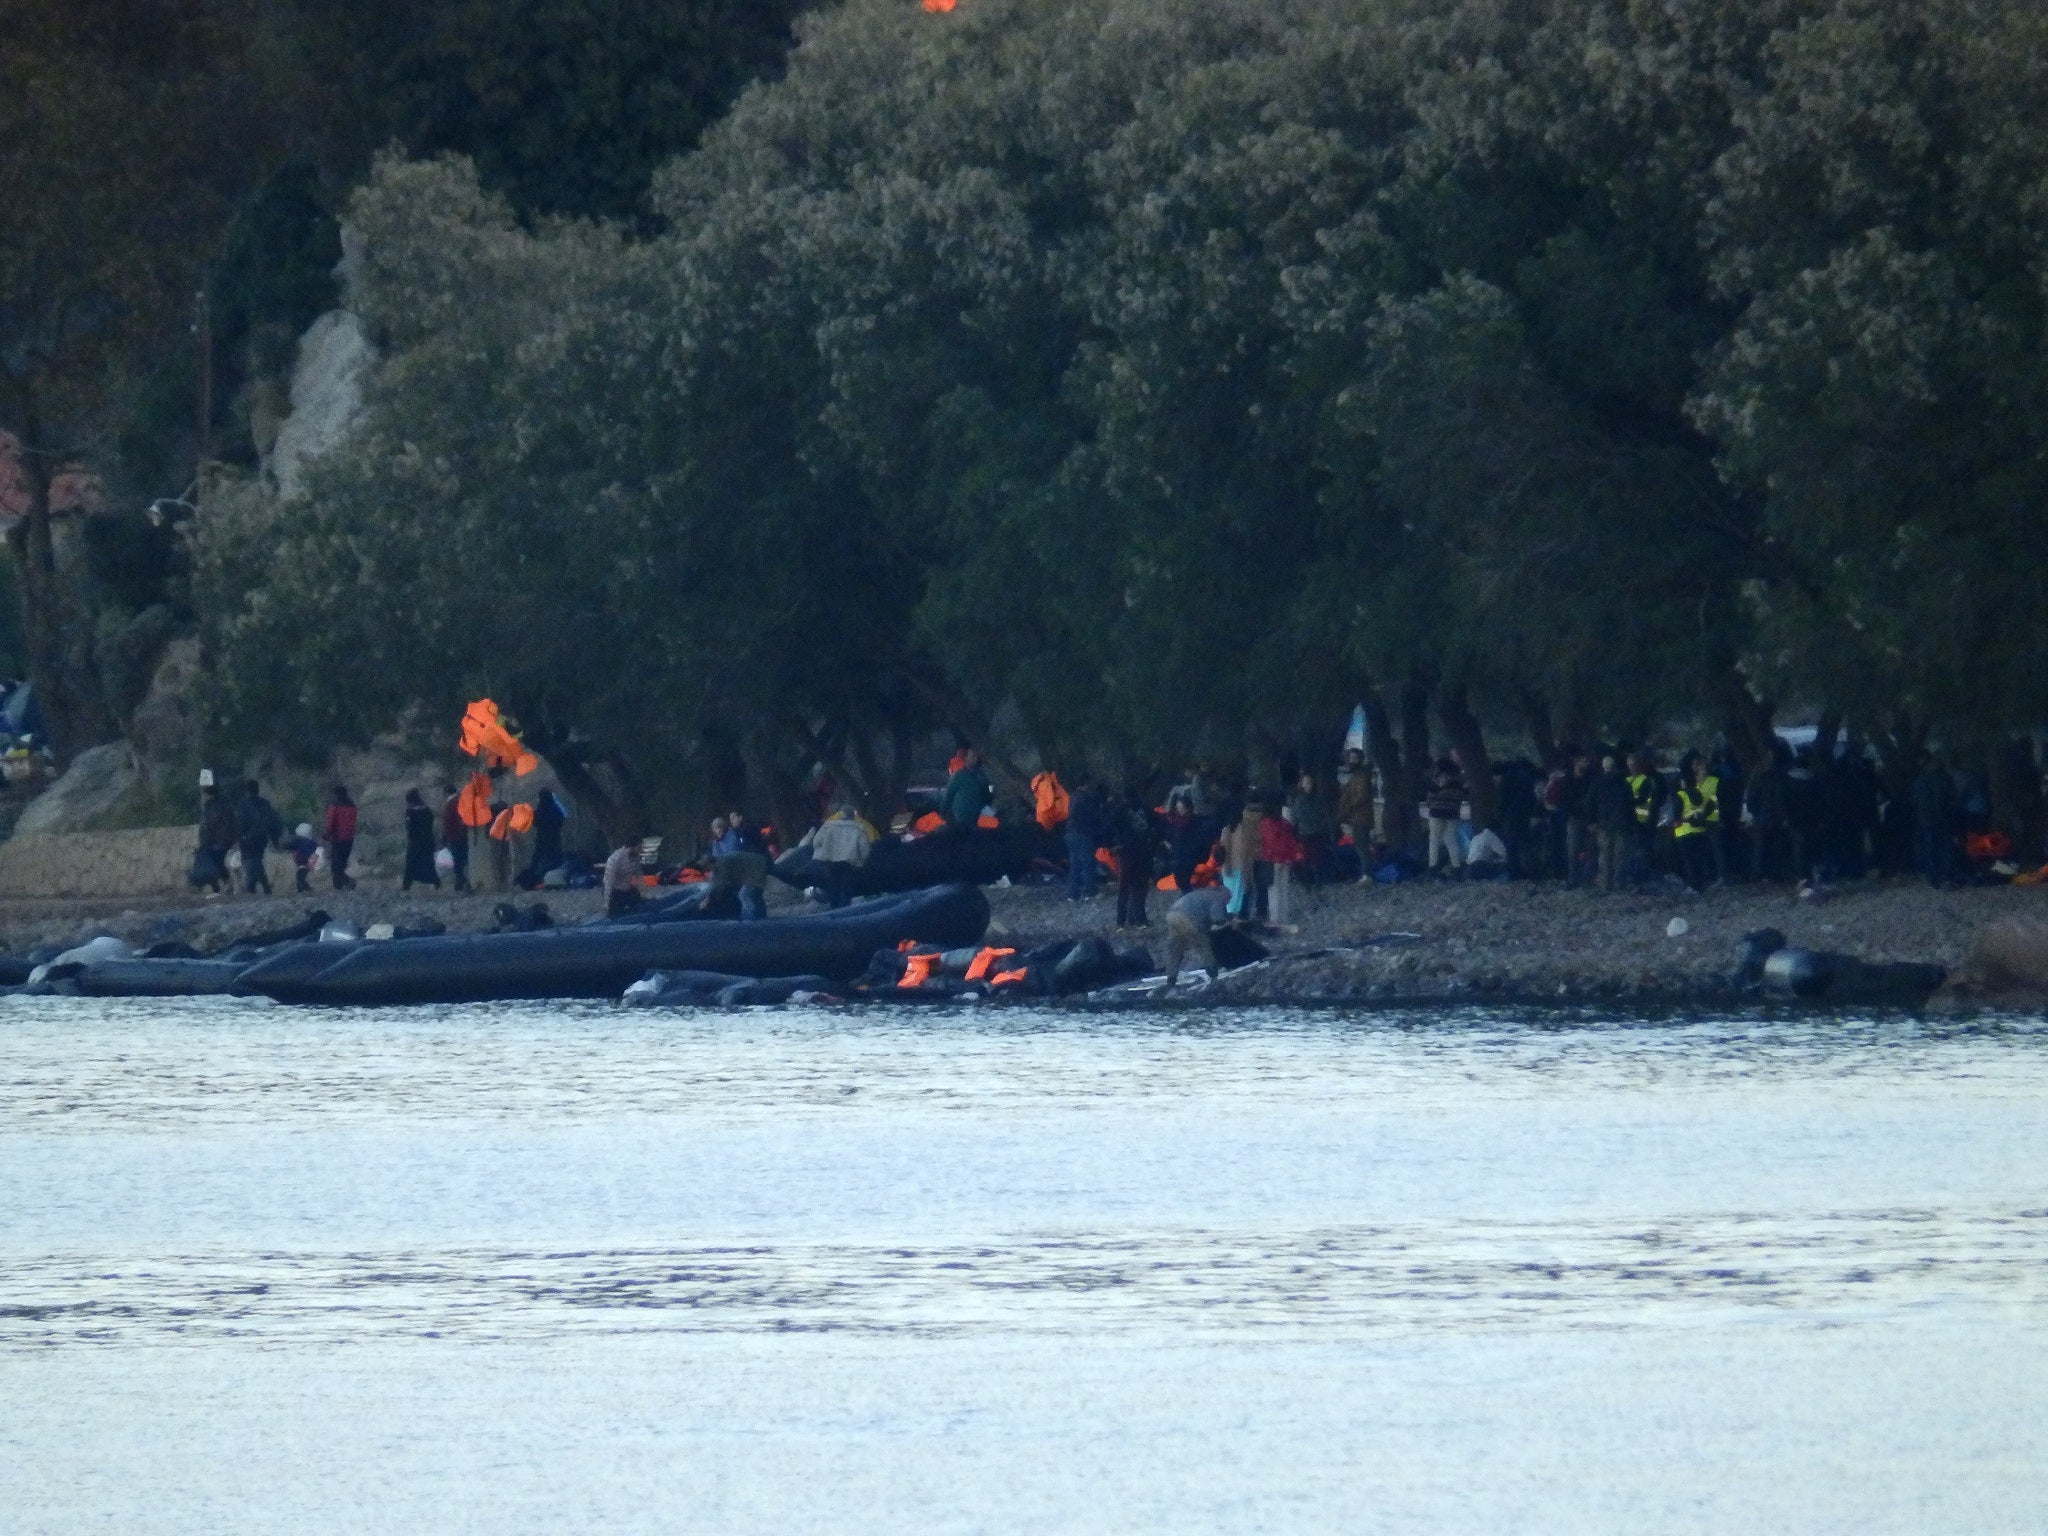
[{"x": 966, "y": 792}]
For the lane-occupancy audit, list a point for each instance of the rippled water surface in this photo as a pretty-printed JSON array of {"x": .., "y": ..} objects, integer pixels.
[{"x": 576, "y": 1269}]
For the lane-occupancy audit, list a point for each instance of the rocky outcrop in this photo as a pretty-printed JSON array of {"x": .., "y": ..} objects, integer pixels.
[
  {"x": 335, "y": 359},
  {"x": 97, "y": 781},
  {"x": 165, "y": 725}
]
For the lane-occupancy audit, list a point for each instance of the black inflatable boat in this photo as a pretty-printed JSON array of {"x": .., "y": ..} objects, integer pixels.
[
  {"x": 602, "y": 960},
  {"x": 974, "y": 857}
]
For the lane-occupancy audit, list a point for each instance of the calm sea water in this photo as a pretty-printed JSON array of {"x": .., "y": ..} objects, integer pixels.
[{"x": 567, "y": 1269}]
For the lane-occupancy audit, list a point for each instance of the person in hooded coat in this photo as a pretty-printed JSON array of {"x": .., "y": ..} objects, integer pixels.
[{"x": 419, "y": 844}]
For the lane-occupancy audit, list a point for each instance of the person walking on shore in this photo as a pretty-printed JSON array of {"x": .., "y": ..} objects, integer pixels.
[
  {"x": 419, "y": 844},
  {"x": 338, "y": 831},
  {"x": 257, "y": 826},
  {"x": 216, "y": 837},
  {"x": 455, "y": 835}
]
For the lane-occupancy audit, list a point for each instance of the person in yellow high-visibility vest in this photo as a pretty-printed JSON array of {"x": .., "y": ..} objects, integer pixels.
[
  {"x": 1646, "y": 791},
  {"x": 1698, "y": 832}
]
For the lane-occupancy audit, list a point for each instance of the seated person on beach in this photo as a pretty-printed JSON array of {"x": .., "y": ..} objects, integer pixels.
[{"x": 1487, "y": 857}]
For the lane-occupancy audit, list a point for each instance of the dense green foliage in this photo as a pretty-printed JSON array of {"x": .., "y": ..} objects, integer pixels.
[
  {"x": 1164, "y": 377},
  {"x": 169, "y": 184}
]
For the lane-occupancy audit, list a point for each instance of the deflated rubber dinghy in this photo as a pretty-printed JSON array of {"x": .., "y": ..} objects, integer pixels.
[
  {"x": 602, "y": 959},
  {"x": 158, "y": 978},
  {"x": 975, "y": 857}
]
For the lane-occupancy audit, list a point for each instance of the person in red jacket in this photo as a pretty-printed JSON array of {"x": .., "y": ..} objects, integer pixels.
[
  {"x": 1281, "y": 852},
  {"x": 338, "y": 831}
]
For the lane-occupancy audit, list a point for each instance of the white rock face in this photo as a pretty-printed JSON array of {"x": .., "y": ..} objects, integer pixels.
[
  {"x": 335, "y": 359},
  {"x": 90, "y": 787}
]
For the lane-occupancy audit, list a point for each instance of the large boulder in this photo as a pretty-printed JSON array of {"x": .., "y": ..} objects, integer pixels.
[
  {"x": 97, "y": 780},
  {"x": 2009, "y": 962},
  {"x": 165, "y": 725}
]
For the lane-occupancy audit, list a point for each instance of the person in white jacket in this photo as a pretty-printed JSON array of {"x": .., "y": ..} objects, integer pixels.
[{"x": 839, "y": 845}]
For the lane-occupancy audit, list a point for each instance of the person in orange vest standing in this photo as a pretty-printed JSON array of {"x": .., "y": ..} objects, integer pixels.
[{"x": 338, "y": 831}]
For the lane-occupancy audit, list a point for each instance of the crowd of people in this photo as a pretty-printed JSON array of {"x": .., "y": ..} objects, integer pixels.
[
  {"x": 1604, "y": 817},
  {"x": 238, "y": 830}
]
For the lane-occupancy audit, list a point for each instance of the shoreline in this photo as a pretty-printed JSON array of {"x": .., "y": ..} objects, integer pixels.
[{"x": 1422, "y": 943}]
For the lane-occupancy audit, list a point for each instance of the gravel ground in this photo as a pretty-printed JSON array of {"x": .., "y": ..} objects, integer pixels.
[{"x": 1536, "y": 941}]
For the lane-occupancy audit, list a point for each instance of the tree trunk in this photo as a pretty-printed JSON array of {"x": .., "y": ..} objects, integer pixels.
[
  {"x": 786, "y": 807},
  {"x": 1536, "y": 718},
  {"x": 1462, "y": 727},
  {"x": 58, "y": 639},
  {"x": 2013, "y": 784},
  {"x": 973, "y": 726}
]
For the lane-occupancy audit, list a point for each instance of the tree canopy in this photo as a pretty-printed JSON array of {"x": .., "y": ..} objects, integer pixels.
[{"x": 1157, "y": 379}]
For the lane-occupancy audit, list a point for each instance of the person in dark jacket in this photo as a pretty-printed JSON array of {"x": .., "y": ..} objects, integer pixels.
[
  {"x": 1083, "y": 836},
  {"x": 548, "y": 816},
  {"x": 1614, "y": 820},
  {"x": 1768, "y": 801},
  {"x": 419, "y": 844},
  {"x": 1934, "y": 823},
  {"x": 1803, "y": 814},
  {"x": 1518, "y": 809},
  {"x": 216, "y": 837},
  {"x": 1187, "y": 842},
  {"x": 1646, "y": 791},
  {"x": 455, "y": 835},
  {"x": 966, "y": 792},
  {"x": 257, "y": 826},
  {"x": 1581, "y": 845},
  {"x": 338, "y": 831},
  {"x": 1136, "y": 841}
]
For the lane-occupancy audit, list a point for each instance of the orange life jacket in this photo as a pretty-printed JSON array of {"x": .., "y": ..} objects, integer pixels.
[
  {"x": 986, "y": 822},
  {"x": 917, "y": 970},
  {"x": 484, "y": 735},
  {"x": 473, "y": 805},
  {"x": 928, "y": 823},
  {"x": 983, "y": 959},
  {"x": 1007, "y": 978},
  {"x": 1049, "y": 801},
  {"x": 522, "y": 817},
  {"x": 1987, "y": 845},
  {"x": 1106, "y": 859}
]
